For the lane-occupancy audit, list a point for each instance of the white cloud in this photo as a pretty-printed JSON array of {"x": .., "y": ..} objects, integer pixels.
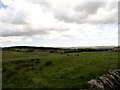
[
  {"x": 90, "y": 12},
  {"x": 60, "y": 22}
]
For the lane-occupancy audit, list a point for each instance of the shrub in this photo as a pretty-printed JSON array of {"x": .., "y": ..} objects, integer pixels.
[
  {"x": 37, "y": 62},
  {"x": 32, "y": 59},
  {"x": 48, "y": 63},
  {"x": 37, "y": 59},
  {"x": 77, "y": 54},
  {"x": 62, "y": 52},
  {"x": 68, "y": 55}
]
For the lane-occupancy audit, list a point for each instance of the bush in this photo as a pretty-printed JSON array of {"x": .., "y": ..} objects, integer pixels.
[
  {"x": 62, "y": 52},
  {"x": 37, "y": 62},
  {"x": 48, "y": 63},
  {"x": 32, "y": 60},
  {"x": 68, "y": 55},
  {"x": 77, "y": 54},
  {"x": 37, "y": 59}
]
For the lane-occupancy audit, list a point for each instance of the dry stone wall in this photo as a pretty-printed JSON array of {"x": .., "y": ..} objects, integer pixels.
[{"x": 109, "y": 81}]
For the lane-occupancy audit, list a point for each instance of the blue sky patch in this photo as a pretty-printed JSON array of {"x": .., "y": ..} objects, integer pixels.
[{"x": 2, "y": 5}]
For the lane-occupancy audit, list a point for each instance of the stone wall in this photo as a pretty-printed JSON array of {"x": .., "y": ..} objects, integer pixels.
[{"x": 109, "y": 81}]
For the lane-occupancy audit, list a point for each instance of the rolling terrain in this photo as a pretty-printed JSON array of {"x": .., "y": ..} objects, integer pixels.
[{"x": 45, "y": 69}]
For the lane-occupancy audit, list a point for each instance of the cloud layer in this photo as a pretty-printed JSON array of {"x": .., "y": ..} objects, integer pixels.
[{"x": 60, "y": 21}]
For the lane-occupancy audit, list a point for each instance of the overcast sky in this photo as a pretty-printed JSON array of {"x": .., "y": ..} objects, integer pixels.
[{"x": 58, "y": 23}]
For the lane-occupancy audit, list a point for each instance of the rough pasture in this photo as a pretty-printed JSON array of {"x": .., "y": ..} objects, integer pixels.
[{"x": 55, "y": 70}]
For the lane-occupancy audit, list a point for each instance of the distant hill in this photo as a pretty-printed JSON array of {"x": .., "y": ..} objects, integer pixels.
[{"x": 67, "y": 49}]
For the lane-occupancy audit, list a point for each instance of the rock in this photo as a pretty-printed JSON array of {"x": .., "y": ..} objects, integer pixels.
[
  {"x": 94, "y": 84},
  {"x": 109, "y": 81}
]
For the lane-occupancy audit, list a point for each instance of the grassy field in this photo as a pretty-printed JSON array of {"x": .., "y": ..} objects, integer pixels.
[{"x": 54, "y": 70}]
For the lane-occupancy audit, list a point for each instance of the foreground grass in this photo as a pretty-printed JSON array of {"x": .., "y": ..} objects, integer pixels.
[{"x": 54, "y": 70}]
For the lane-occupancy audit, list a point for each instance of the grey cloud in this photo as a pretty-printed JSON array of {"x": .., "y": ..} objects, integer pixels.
[
  {"x": 90, "y": 7},
  {"x": 78, "y": 17},
  {"x": 18, "y": 18},
  {"x": 68, "y": 36},
  {"x": 44, "y": 3},
  {"x": 28, "y": 31},
  {"x": 25, "y": 33},
  {"x": 83, "y": 11}
]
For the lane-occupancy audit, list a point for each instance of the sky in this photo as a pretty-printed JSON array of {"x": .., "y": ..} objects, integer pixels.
[{"x": 58, "y": 23}]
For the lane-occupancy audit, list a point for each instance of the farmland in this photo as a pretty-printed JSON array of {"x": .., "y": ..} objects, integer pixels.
[{"x": 43, "y": 69}]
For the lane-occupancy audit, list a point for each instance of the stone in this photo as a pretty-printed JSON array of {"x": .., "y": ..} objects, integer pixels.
[{"x": 108, "y": 81}]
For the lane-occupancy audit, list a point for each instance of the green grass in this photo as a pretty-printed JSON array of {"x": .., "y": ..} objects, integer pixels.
[{"x": 54, "y": 70}]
